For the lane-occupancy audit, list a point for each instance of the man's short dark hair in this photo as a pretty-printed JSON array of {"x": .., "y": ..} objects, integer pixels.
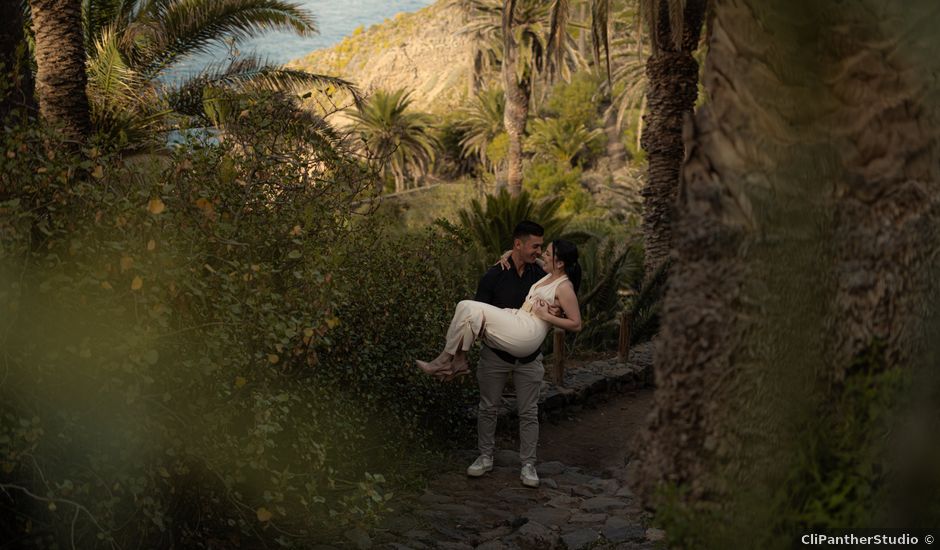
[{"x": 525, "y": 229}]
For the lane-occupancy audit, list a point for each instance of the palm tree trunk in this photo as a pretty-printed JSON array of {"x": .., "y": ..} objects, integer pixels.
[
  {"x": 60, "y": 60},
  {"x": 14, "y": 60},
  {"x": 672, "y": 74},
  {"x": 518, "y": 90},
  {"x": 809, "y": 217}
]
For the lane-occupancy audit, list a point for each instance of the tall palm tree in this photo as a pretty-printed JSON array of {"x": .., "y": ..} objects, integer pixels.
[
  {"x": 60, "y": 63},
  {"x": 517, "y": 34},
  {"x": 675, "y": 29},
  {"x": 398, "y": 140},
  {"x": 805, "y": 247}
]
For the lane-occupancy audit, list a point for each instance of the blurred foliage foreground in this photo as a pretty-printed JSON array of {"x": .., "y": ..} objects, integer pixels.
[{"x": 207, "y": 347}]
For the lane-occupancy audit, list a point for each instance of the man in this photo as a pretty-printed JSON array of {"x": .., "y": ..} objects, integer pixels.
[{"x": 507, "y": 288}]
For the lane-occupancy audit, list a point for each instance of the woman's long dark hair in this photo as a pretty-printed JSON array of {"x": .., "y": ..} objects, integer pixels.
[{"x": 567, "y": 252}]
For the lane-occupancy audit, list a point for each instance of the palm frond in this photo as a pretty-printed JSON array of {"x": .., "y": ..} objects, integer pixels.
[
  {"x": 677, "y": 21},
  {"x": 558, "y": 29},
  {"x": 99, "y": 15},
  {"x": 600, "y": 15},
  {"x": 181, "y": 27},
  {"x": 397, "y": 140}
]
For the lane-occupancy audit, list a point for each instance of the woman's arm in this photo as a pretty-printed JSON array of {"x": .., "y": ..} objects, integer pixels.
[{"x": 569, "y": 305}]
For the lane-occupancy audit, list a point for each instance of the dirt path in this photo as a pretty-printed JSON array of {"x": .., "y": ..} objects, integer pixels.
[{"x": 596, "y": 437}]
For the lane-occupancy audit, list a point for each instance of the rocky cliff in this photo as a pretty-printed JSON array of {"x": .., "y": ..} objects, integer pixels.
[{"x": 420, "y": 51}]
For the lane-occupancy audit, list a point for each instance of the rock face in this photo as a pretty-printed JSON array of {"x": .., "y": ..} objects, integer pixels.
[{"x": 420, "y": 51}]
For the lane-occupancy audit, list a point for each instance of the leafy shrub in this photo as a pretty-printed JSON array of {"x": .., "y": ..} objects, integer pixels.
[
  {"x": 550, "y": 179},
  {"x": 485, "y": 228},
  {"x": 563, "y": 142},
  {"x": 395, "y": 305},
  {"x": 612, "y": 264},
  {"x": 576, "y": 101},
  {"x": 168, "y": 326},
  {"x": 451, "y": 161}
]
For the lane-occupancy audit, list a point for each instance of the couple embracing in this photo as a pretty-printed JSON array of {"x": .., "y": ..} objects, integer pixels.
[{"x": 533, "y": 288}]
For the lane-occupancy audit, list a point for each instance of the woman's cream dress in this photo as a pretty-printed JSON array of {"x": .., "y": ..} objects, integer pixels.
[{"x": 515, "y": 331}]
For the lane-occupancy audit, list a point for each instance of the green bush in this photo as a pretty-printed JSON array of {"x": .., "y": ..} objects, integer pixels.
[
  {"x": 576, "y": 101},
  {"x": 396, "y": 302},
  {"x": 172, "y": 335},
  {"x": 552, "y": 179}
]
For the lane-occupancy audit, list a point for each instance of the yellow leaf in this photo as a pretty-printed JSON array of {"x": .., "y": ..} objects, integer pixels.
[
  {"x": 264, "y": 514},
  {"x": 151, "y": 244},
  {"x": 204, "y": 205},
  {"x": 137, "y": 283},
  {"x": 240, "y": 381},
  {"x": 106, "y": 285},
  {"x": 98, "y": 172},
  {"x": 156, "y": 206},
  {"x": 308, "y": 332},
  {"x": 273, "y": 359},
  {"x": 127, "y": 262},
  {"x": 163, "y": 471},
  {"x": 255, "y": 267},
  {"x": 296, "y": 231},
  {"x": 332, "y": 322}
]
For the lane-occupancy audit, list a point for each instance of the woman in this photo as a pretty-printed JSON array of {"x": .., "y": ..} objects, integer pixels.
[{"x": 516, "y": 331}]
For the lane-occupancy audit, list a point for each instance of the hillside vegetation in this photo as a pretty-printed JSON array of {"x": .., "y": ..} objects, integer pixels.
[{"x": 419, "y": 51}]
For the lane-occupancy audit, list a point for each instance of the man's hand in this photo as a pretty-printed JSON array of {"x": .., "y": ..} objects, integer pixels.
[
  {"x": 540, "y": 309},
  {"x": 555, "y": 309}
]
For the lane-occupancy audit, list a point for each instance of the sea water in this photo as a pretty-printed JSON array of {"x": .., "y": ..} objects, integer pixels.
[{"x": 334, "y": 18}]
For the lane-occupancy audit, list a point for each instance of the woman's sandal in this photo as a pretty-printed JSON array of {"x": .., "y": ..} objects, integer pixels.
[{"x": 430, "y": 368}]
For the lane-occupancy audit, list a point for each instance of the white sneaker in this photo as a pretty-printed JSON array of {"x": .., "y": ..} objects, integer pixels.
[
  {"x": 480, "y": 466},
  {"x": 529, "y": 476}
]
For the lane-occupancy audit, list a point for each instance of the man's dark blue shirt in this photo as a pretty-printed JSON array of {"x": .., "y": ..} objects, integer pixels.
[{"x": 505, "y": 288}]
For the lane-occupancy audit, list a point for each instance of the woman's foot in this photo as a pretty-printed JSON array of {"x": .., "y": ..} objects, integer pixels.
[
  {"x": 440, "y": 363},
  {"x": 456, "y": 369}
]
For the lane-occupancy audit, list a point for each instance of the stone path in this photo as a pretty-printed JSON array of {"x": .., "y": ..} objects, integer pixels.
[
  {"x": 571, "y": 509},
  {"x": 574, "y": 507}
]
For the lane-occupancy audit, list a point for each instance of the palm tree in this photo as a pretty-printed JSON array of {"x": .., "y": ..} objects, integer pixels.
[
  {"x": 60, "y": 63},
  {"x": 482, "y": 121},
  {"x": 563, "y": 141},
  {"x": 675, "y": 29},
  {"x": 398, "y": 140},
  {"x": 516, "y": 33},
  {"x": 134, "y": 46},
  {"x": 488, "y": 225},
  {"x": 805, "y": 259}
]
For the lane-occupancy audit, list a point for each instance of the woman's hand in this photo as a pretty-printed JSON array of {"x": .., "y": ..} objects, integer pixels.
[{"x": 504, "y": 260}]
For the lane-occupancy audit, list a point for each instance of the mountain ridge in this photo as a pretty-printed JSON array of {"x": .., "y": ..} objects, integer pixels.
[{"x": 420, "y": 51}]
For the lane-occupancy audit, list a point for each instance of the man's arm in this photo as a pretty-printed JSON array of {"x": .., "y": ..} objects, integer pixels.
[{"x": 486, "y": 287}]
